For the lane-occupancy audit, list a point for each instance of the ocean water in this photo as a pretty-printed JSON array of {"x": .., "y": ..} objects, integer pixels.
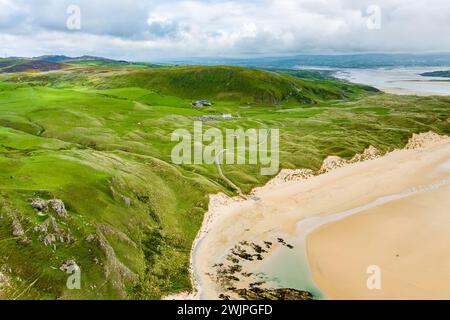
[
  {"x": 407, "y": 79},
  {"x": 287, "y": 268}
]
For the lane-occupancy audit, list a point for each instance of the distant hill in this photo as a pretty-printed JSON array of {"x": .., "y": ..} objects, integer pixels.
[
  {"x": 222, "y": 83},
  {"x": 372, "y": 60},
  {"x": 232, "y": 83},
  {"x": 32, "y": 65},
  {"x": 55, "y": 58},
  {"x": 62, "y": 58},
  {"x": 8, "y": 62},
  {"x": 110, "y": 63},
  {"x": 306, "y": 74},
  {"x": 442, "y": 74},
  {"x": 56, "y": 62},
  {"x": 92, "y": 60}
]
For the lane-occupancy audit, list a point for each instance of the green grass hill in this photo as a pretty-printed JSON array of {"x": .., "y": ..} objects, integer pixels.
[
  {"x": 98, "y": 138},
  {"x": 249, "y": 86}
]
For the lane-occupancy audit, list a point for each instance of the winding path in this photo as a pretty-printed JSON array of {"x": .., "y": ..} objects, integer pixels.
[{"x": 219, "y": 164}]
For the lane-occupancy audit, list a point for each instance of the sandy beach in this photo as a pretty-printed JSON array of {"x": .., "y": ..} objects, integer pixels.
[
  {"x": 399, "y": 80},
  {"x": 416, "y": 92},
  {"x": 406, "y": 237}
]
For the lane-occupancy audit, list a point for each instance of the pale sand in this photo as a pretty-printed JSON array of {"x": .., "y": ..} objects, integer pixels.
[
  {"x": 413, "y": 92},
  {"x": 278, "y": 208},
  {"x": 408, "y": 239}
]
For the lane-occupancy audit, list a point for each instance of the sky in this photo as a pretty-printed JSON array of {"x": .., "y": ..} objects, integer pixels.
[{"x": 150, "y": 30}]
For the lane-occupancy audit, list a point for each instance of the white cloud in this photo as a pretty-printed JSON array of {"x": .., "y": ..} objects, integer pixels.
[{"x": 145, "y": 30}]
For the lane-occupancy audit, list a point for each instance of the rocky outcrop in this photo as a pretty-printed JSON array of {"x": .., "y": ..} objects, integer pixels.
[
  {"x": 5, "y": 282},
  {"x": 115, "y": 270},
  {"x": 39, "y": 205},
  {"x": 91, "y": 238},
  {"x": 69, "y": 266},
  {"x": 50, "y": 233},
  {"x": 273, "y": 294},
  {"x": 18, "y": 230},
  {"x": 238, "y": 283},
  {"x": 56, "y": 205}
]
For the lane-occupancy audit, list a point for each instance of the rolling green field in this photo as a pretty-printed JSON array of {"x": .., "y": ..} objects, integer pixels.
[{"x": 98, "y": 137}]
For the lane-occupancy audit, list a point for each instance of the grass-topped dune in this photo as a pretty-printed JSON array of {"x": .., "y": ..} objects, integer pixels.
[{"x": 98, "y": 138}]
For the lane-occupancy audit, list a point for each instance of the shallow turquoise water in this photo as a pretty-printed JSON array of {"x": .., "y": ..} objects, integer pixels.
[{"x": 289, "y": 268}]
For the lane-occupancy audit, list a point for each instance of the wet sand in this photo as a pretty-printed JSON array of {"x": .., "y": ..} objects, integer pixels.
[{"x": 408, "y": 239}]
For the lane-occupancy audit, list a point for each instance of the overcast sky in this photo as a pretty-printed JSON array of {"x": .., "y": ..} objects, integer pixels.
[{"x": 149, "y": 30}]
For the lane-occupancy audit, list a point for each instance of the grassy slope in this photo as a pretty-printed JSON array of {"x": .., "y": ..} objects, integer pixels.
[
  {"x": 32, "y": 66},
  {"x": 8, "y": 62},
  {"x": 100, "y": 136},
  {"x": 246, "y": 86}
]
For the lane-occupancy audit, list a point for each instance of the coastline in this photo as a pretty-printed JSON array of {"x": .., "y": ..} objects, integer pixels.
[
  {"x": 273, "y": 212},
  {"x": 414, "y": 92}
]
